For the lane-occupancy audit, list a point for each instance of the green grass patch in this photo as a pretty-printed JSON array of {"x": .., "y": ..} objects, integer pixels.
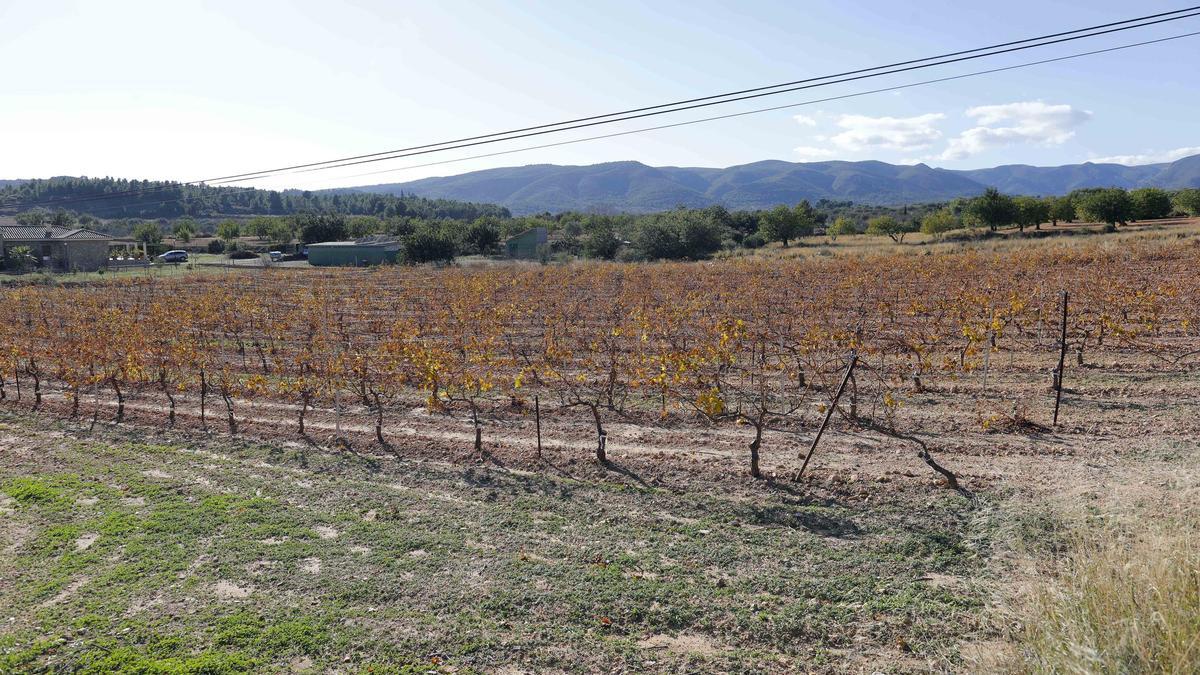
[{"x": 183, "y": 563}]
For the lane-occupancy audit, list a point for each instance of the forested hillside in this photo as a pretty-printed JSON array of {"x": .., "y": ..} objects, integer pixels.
[
  {"x": 633, "y": 187},
  {"x": 111, "y": 198}
]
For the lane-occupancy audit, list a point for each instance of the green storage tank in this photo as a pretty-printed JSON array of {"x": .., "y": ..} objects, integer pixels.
[{"x": 360, "y": 253}]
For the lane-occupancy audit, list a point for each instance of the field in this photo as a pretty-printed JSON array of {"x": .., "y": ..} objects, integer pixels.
[{"x": 592, "y": 467}]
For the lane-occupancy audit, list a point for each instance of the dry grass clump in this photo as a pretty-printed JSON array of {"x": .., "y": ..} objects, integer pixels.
[{"x": 1121, "y": 602}]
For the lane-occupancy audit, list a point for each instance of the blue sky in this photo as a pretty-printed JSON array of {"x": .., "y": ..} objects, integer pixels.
[{"x": 190, "y": 89}]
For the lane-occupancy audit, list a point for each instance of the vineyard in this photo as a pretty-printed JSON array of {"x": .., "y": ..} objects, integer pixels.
[{"x": 754, "y": 356}]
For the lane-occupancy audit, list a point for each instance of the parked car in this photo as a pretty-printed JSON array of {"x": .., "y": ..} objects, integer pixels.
[
  {"x": 176, "y": 256},
  {"x": 276, "y": 256}
]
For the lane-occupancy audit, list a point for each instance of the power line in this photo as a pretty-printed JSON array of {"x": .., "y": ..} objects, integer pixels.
[
  {"x": 666, "y": 108},
  {"x": 400, "y": 155},
  {"x": 738, "y": 93},
  {"x": 234, "y": 191},
  {"x": 778, "y": 107}
]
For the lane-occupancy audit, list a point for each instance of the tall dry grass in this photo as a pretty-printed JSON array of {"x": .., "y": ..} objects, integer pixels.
[{"x": 1120, "y": 601}]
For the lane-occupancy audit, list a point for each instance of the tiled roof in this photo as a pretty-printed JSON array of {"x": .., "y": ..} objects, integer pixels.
[
  {"x": 29, "y": 233},
  {"x": 81, "y": 233}
]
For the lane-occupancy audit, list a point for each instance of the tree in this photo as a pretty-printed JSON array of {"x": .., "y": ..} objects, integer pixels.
[
  {"x": 887, "y": 225},
  {"x": 482, "y": 237},
  {"x": 602, "y": 242},
  {"x": 745, "y": 222},
  {"x": 779, "y": 224},
  {"x": 1031, "y": 211},
  {"x": 228, "y": 231},
  {"x": 259, "y": 226},
  {"x": 429, "y": 246},
  {"x": 841, "y": 226},
  {"x": 34, "y": 218},
  {"x": 806, "y": 218},
  {"x": 1188, "y": 201},
  {"x": 993, "y": 209},
  {"x": 318, "y": 227},
  {"x": 19, "y": 258},
  {"x": 148, "y": 233},
  {"x": 699, "y": 235},
  {"x": 184, "y": 229},
  {"x": 1061, "y": 208},
  {"x": 280, "y": 231},
  {"x": 1105, "y": 205},
  {"x": 358, "y": 227},
  {"x": 940, "y": 222},
  {"x": 654, "y": 239},
  {"x": 1150, "y": 203},
  {"x": 62, "y": 218},
  {"x": 677, "y": 234}
]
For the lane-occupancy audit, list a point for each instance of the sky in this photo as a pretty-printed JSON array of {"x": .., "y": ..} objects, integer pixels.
[{"x": 191, "y": 89}]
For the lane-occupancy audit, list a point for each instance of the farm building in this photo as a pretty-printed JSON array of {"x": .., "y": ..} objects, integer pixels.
[
  {"x": 56, "y": 248},
  {"x": 357, "y": 253},
  {"x": 525, "y": 245}
]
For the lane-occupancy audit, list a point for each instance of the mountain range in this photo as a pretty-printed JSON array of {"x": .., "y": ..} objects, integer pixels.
[{"x": 636, "y": 187}]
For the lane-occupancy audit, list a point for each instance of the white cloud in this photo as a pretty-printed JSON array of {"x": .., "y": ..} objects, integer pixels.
[
  {"x": 805, "y": 120},
  {"x": 1015, "y": 123},
  {"x": 1149, "y": 157},
  {"x": 887, "y": 133},
  {"x": 807, "y": 153}
]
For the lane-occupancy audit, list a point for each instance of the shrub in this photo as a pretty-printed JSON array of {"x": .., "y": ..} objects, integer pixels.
[
  {"x": 754, "y": 241},
  {"x": 216, "y": 246},
  {"x": 940, "y": 222},
  {"x": 841, "y": 226}
]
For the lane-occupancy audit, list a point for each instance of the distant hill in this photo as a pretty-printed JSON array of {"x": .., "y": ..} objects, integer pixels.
[
  {"x": 635, "y": 187},
  {"x": 111, "y": 198}
]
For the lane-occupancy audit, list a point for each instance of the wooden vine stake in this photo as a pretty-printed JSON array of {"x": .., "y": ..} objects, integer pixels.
[
  {"x": 828, "y": 413},
  {"x": 537, "y": 416},
  {"x": 1062, "y": 356}
]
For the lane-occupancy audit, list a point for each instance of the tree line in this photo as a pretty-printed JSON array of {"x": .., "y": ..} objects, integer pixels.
[
  {"x": 439, "y": 230},
  {"x": 113, "y": 198}
]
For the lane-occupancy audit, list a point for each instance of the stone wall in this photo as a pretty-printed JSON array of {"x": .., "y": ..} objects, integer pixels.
[{"x": 85, "y": 255}]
